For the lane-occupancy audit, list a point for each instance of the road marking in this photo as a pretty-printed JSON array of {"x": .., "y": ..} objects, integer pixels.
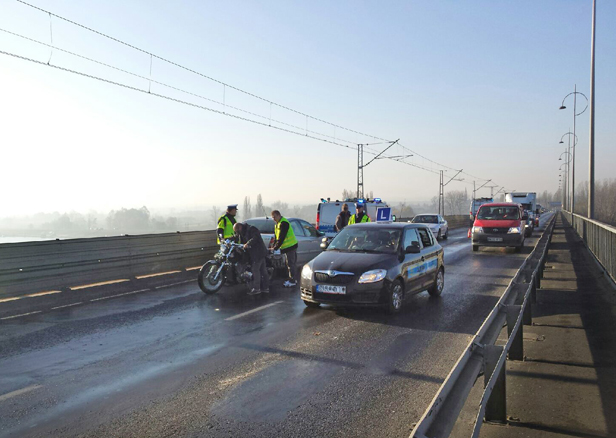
[
  {"x": 67, "y": 305},
  {"x": 19, "y": 392},
  {"x": 174, "y": 284},
  {"x": 39, "y": 294},
  {"x": 119, "y": 295},
  {"x": 21, "y": 314},
  {"x": 231, "y": 318}
]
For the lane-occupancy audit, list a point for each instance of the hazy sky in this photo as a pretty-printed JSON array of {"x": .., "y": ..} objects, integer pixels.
[{"x": 469, "y": 84}]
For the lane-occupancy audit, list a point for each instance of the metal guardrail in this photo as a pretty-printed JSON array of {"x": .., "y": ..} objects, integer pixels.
[
  {"x": 32, "y": 267},
  {"x": 481, "y": 355},
  {"x": 600, "y": 239}
]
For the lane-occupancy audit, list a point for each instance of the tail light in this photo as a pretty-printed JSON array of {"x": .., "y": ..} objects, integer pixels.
[{"x": 318, "y": 217}]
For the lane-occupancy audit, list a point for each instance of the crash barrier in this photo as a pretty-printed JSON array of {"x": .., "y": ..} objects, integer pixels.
[
  {"x": 600, "y": 239},
  {"x": 32, "y": 267},
  {"x": 482, "y": 356},
  {"x": 455, "y": 221}
]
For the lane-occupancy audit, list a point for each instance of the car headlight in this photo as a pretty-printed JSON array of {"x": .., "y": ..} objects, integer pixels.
[
  {"x": 514, "y": 230},
  {"x": 306, "y": 272},
  {"x": 372, "y": 276},
  {"x": 477, "y": 230}
]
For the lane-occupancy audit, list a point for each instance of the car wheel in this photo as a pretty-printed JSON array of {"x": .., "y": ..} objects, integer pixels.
[
  {"x": 439, "y": 283},
  {"x": 438, "y": 236},
  {"x": 396, "y": 296},
  {"x": 446, "y": 234},
  {"x": 475, "y": 247},
  {"x": 519, "y": 248},
  {"x": 311, "y": 304}
]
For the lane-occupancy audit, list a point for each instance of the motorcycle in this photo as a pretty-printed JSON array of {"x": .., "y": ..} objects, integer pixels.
[{"x": 231, "y": 265}]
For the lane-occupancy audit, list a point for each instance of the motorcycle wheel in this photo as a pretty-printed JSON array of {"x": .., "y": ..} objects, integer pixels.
[{"x": 206, "y": 283}]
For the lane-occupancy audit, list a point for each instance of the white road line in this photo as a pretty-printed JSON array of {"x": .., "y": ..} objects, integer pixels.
[
  {"x": 119, "y": 295},
  {"x": 67, "y": 305},
  {"x": 231, "y": 318},
  {"x": 22, "y": 314},
  {"x": 18, "y": 392},
  {"x": 174, "y": 284}
]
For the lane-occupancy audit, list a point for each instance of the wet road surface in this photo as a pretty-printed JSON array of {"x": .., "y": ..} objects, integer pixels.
[{"x": 172, "y": 361}]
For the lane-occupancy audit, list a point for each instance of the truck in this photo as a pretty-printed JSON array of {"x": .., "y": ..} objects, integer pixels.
[
  {"x": 528, "y": 200},
  {"x": 475, "y": 204},
  {"x": 328, "y": 211}
]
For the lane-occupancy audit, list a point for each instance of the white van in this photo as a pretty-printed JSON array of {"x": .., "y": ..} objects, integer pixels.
[{"x": 327, "y": 212}]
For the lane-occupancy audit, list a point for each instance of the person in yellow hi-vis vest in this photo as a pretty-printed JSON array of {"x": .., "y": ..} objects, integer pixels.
[
  {"x": 360, "y": 215},
  {"x": 225, "y": 224},
  {"x": 286, "y": 242}
]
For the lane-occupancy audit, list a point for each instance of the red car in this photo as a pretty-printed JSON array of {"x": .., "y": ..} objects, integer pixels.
[{"x": 499, "y": 224}]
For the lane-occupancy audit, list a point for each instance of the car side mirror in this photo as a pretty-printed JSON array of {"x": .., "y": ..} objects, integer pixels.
[{"x": 413, "y": 248}]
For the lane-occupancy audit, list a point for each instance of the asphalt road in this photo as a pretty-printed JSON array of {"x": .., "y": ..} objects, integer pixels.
[{"x": 171, "y": 361}]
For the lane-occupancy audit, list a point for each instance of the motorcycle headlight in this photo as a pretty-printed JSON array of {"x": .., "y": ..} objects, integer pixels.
[
  {"x": 514, "y": 230},
  {"x": 306, "y": 272},
  {"x": 477, "y": 230},
  {"x": 372, "y": 276}
]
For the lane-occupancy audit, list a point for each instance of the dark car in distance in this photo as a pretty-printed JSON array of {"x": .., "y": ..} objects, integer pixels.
[{"x": 375, "y": 264}]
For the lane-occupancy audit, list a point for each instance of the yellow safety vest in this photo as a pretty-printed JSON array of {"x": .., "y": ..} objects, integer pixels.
[
  {"x": 364, "y": 219},
  {"x": 226, "y": 224},
  {"x": 289, "y": 239}
]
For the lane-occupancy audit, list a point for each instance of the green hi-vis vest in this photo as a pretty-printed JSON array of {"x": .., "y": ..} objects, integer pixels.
[
  {"x": 364, "y": 219},
  {"x": 227, "y": 225},
  {"x": 290, "y": 239}
]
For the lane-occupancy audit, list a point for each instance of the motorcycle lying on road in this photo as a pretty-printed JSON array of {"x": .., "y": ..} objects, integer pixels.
[{"x": 231, "y": 265}]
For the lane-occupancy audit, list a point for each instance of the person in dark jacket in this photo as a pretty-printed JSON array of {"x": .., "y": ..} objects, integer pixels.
[
  {"x": 342, "y": 220},
  {"x": 256, "y": 250}
]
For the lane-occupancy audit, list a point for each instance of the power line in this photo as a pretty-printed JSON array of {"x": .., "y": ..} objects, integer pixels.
[
  {"x": 224, "y": 84},
  {"x": 119, "y": 84}
]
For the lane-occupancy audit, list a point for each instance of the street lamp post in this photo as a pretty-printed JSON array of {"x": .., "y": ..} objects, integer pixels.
[
  {"x": 570, "y": 149},
  {"x": 567, "y": 165},
  {"x": 575, "y": 114}
]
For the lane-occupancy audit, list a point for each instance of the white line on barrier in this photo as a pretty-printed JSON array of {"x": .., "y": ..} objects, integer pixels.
[
  {"x": 22, "y": 314},
  {"x": 66, "y": 305},
  {"x": 231, "y": 318},
  {"x": 8, "y": 395}
]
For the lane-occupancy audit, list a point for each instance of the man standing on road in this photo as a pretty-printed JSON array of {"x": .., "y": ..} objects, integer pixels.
[
  {"x": 360, "y": 216},
  {"x": 225, "y": 224},
  {"x": 287, "y": 244},
  {"x": 256, "y": 250},
  {"x": 342, "y": 220}
]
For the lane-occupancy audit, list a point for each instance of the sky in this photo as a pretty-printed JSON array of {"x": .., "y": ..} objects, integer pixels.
[{"x": 467, "y": 84}]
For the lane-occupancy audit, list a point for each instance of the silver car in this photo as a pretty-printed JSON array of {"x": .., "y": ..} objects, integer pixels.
[
  {"x": 436, "y": 223},
  {"x": 308, "y": 237}
]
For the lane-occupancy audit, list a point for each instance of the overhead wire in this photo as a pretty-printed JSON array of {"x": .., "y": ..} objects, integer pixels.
[{"x": 336, "y": 140}]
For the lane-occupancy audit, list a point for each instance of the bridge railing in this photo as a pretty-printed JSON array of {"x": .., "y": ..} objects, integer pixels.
[
  {"x": 32, "y": 267},
  {"x": 600, "y": 239},
  {"x": 481, "y": 355}
]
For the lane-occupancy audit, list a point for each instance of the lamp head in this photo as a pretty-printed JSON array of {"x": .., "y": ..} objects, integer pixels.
[
  {"x": 562, "y": 107},
  {"x": 561, "y": 142}
]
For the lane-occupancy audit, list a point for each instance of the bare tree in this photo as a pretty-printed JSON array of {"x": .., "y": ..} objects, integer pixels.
[
  {"x": 259, "y": 209},
  {"x": 348, "y": 194},
  {"x": 214, "y": 215},
  {"x": 247, "y": 213}
]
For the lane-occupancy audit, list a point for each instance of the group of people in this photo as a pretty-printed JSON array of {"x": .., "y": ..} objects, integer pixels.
[
  {"x": 284, "y": 241},
  {"x": 346, "y": 218},
  {"x": 248, "y": 235}
]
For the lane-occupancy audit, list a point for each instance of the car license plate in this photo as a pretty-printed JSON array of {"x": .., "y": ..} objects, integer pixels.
[
  {"x": 495, "y": 239},
  {"x": 327, "y": 289}
]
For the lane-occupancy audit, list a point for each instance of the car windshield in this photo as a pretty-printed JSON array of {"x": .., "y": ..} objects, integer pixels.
[
  {"x": 498, "y": 213},
  {"x": 426, "y": 219},
  {"x": 265, "y": 226},
  {"x": 356, "y": 239}
]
